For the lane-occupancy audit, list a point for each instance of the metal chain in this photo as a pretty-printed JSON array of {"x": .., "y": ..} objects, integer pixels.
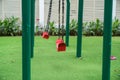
[
  {"x": 49, "y": 16},
  {"x": 62, "y": 19},
  {"x": 59, "y": 18}
]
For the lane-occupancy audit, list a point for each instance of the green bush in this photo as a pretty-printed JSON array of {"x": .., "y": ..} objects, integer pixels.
[
  {"x": 88, "y": 28},
  {"x": 52, "y": 29},
  {"x": 98, "y": 28},
  {"x": 1, "y": 28},
  {"x": 73, "y": 27},
  {"x": 93, "y": 28},
  {"x": 116, "y": 27},
  {"x": 10, "y": 27}
]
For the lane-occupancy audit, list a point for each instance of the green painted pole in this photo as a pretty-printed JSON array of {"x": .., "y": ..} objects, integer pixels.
[
  {"x": 67, "y": 22},
  {"x": 26, "y": 39},
  {"x": 79, "y": 36},
  {"x": 32, "y": 26},
  {"x": 107, "y": 39}
]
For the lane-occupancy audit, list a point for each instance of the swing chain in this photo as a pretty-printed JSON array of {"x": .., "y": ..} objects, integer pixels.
[
  {"x": 49, "y": 16},
  {"x": 62, "y": 29},
  {"x": 62, "y": 19},
  {"x": 59, "y": 18}
]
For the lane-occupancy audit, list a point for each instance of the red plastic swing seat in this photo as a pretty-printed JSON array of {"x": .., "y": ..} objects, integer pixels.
[
  {"x": 45, "y": 35},
  {"x": 60, "y": 45}
]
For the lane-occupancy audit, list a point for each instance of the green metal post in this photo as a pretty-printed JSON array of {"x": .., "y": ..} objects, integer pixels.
[
  {"x": 32, "y": 26},
  {"x": 67, "y": 22},
  {"x": 107, "y": 39},
  {"x": 26, "y": 39},
  {"x": 79, "y": 36}
]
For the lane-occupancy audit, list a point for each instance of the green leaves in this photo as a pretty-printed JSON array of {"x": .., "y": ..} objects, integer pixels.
[
  {"x": 52, "y": 28},
  {"x": 1, "y": 27},
  {"x": 10, "y": 26},
  {"x": 73, "y": 27},
  {"x": 98, "y": 28},
  {"x": 93, "y": 28},
  {"x": 116, "y": 27}
]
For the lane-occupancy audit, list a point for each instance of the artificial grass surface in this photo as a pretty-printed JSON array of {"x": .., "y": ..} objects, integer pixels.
[{"x": 48, "y": 64}]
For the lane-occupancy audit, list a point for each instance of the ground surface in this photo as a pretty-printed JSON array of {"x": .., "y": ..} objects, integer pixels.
[{"x": 48, "y": 64}]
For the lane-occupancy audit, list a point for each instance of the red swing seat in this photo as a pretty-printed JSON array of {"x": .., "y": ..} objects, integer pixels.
[
  {"x": 60, "y": 45},
  {"x": 45, "y": 35}
]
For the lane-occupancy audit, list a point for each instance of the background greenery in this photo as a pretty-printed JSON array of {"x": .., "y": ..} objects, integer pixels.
[
  {"x": 48, "y": 64},
  {"x": 92, "y": 28},
  {"x": 11, "y": 26}
]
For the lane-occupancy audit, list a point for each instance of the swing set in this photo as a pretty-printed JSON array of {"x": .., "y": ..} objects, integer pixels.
[
  {"x": 28, "y": 15},
  {"x": 60, "y": 45}
]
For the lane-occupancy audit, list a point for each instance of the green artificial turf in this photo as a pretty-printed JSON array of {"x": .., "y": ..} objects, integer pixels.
[{"x": 48, "y": 64}]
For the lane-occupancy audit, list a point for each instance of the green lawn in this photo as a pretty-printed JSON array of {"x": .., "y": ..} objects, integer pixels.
[{"x": 48, "y": 64}]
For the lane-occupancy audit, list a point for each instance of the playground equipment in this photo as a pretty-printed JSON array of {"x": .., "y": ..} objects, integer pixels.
[
  {"x": 60, "y": 45},
  {"x": 46, "y": 34},
  {"x": 32, "y": 25},
  {"x": 107, "y": 39},
  {"x": 113, "y": 58},
  {"x": 67, "y": 22},
  {"x": 28, "y": 38}
]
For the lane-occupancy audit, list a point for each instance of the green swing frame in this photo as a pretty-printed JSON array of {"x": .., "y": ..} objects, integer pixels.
[{"x": 28, "y": 17}]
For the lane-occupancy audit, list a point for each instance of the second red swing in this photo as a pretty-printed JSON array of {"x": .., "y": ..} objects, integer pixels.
[{"x": 60, "y": 45}]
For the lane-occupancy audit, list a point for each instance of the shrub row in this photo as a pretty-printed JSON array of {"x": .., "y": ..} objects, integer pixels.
[
  {"x": 96, "y": 28},
  {"x": 11, "y": 27},
  {"x": 92, "y": 28}
]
